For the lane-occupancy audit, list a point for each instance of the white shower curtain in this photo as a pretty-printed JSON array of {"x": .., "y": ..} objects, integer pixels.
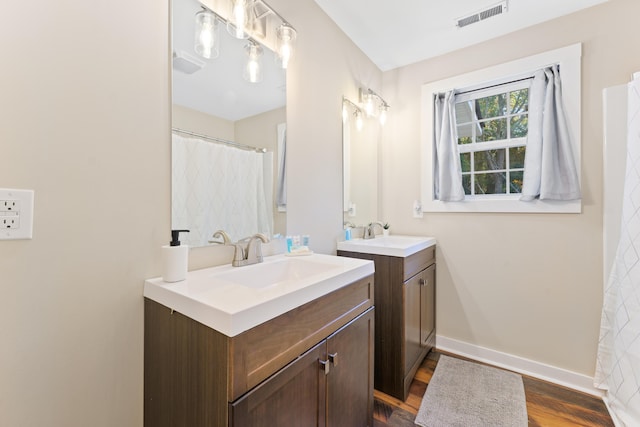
[
  {"x": 618, "y": 363},
  {"x": 215, "y": 187}
]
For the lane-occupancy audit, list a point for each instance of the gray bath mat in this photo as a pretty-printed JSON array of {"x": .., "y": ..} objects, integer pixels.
[{"x": 468, "y": 394}]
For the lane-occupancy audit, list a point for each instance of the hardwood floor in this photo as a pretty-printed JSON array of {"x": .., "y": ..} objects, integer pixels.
[{"x": 547, "y": 404}]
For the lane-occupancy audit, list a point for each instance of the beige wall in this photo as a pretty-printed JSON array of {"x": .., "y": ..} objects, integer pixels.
[
  {"x": 196, "y": 121},
  {"x": 327, "y": 66},
  {"x": 528, "y": 285},
  {"x": 86, "y": 124}
]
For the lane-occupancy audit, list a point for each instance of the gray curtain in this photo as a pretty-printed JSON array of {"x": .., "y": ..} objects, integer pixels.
[
  {"x": 549, "y": 168},
  {"x": 281, "y": 192},
  {"x": 447, "y": 175}
]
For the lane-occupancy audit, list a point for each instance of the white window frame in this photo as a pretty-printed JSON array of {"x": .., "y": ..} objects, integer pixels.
[
  {"x": 569, "y": 60},
  {"x": 504, "y": 144}
]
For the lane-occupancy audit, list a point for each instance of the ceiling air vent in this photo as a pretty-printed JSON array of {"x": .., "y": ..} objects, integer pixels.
[{"x": 489, "y": 12}]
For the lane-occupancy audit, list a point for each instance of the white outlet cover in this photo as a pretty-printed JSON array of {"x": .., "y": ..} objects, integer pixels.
[{"x": 23, "y": 212}]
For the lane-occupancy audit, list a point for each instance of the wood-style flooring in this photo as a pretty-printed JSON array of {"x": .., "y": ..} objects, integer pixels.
[{"x": 547, "y": 404}]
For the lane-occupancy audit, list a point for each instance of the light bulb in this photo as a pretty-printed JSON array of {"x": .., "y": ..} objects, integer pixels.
[
  {"x": 368, "y": 104},
  {"x": 205, "y": 34},
  {"x": 240, "y": 23},
  {"x": 253, "y": 69}
]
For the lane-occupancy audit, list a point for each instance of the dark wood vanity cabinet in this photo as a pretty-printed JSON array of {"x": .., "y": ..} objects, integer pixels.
[
  {"x": 405, "y": 317},
  {"x": 311, "y": 366},
  {"x": 327, "y": 386}
]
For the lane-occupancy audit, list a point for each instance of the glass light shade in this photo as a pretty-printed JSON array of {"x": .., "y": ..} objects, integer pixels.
[
  {"x": 345, "y": 113},
  {"x": 242, "y": 19},
  {"x": 383, "y": 114},
  {"x": 253, "y": 69},
  {"x": 358, "y": 120},
  {"x": 285, "y": 43},
  {"x": 206, "y": 37},
  {"x": 368, "y": 104}
]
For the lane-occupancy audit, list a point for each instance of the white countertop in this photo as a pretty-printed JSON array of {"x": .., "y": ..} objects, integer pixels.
[
  {"x": 232, "y": 300},
  {"x": 394, "y": 245}
]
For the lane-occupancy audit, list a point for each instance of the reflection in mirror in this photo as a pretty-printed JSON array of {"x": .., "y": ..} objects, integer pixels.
[
  {"x": 228, "y": 134},
  {"x": 360, "y": 137}
]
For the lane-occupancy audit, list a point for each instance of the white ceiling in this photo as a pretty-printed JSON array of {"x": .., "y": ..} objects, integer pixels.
[{"x": 401, "y": 32}]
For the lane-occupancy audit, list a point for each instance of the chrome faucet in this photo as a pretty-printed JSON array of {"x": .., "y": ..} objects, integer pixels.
[
  {"x": 369, "y": 230},
  {"x": 221, "y": 234},
  {"x": 239, "y": 249},
  {"x": 251, "y": 253}
]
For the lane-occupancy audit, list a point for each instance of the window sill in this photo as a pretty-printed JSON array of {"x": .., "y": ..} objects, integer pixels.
[{"x": 502, "y": 204}]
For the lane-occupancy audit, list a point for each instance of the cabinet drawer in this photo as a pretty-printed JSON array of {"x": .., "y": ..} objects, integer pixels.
[{"x": 417, "y": 262}]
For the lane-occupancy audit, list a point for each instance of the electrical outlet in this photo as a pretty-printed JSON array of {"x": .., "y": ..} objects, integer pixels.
[
  {"x": 10, "y": 222},
  {"x": 16, "y": 214},
  {"x": 9, "y": 205}
]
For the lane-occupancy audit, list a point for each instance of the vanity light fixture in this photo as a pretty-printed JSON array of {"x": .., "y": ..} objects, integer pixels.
[
  {"x": 253, "y": 70},
  {"x": 246, "y": 16},
  {"x": 369, "y": 99},
  {"x": 206, "y": 34}
]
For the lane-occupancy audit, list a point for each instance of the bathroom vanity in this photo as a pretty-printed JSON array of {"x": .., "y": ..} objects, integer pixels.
[
  {"x": 285, "y": 342},
  {"x": 405, "y": 305}
]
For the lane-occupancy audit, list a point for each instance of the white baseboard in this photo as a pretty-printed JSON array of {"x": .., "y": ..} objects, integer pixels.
[{"x": 552, "y": 374}]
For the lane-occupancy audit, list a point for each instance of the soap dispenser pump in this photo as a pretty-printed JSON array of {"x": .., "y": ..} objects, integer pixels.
[{"x": 175, "y": 258}]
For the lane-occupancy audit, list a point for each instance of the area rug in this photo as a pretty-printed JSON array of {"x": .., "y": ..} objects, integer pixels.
[{"x": 468, "y": 394}]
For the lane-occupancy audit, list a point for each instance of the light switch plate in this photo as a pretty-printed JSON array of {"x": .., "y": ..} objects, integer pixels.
[
  {"x": 16, "y": 214},
  {"x": 417, "y": 209}
]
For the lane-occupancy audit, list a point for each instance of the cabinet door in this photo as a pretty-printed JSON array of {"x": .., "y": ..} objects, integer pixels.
[
  {"x": 427, "y": 306},
  {"x": 350, "y": 381},
  {"x": 411, "y": 304},
  {"x": 294, "y": 396}
]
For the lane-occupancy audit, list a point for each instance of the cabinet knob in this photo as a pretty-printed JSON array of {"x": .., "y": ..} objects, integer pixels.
[
  {"x": 333, "y": 358},
  {"x": 422, "y": 282},
  {"x": 325, "y": 366}
]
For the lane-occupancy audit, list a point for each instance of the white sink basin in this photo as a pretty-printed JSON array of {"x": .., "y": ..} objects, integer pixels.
[
  {"x": 232, "y": 300},
  {"x": 399, "y": 246},
  {"x": 286, "y": 270}
]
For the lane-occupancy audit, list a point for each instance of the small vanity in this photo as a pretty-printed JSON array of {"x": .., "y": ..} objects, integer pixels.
[
  {"x": 405, "y": 305},
  {"x": 285, "y": 342}
]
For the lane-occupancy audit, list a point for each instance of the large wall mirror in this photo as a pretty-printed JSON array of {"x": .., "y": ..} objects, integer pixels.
[
  {"x": 360, "y": 142},
  {"x": 228, "y": 133}
]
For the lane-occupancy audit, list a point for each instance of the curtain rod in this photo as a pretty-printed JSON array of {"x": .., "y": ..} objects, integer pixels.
[
  {"x": 441, "y": 95},
  {"x": 495, "y": 85},
  {"x": 220, "y": 140}
]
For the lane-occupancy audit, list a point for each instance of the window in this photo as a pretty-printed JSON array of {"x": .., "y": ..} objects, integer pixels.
[
  {"x": 491, "y": 114},
  {"x": 492, "y": 129}
]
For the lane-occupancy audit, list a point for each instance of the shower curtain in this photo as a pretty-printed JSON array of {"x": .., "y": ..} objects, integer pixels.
[
  {"x": 618, "y": 360},
  {"x": 217, "y": 187}
]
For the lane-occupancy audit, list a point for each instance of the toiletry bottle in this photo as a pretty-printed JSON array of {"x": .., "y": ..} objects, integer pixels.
[{"x": 175, "y": 258}]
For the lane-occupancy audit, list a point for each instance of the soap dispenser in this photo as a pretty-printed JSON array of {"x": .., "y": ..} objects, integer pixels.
[{"x": 175, "y": 258}]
